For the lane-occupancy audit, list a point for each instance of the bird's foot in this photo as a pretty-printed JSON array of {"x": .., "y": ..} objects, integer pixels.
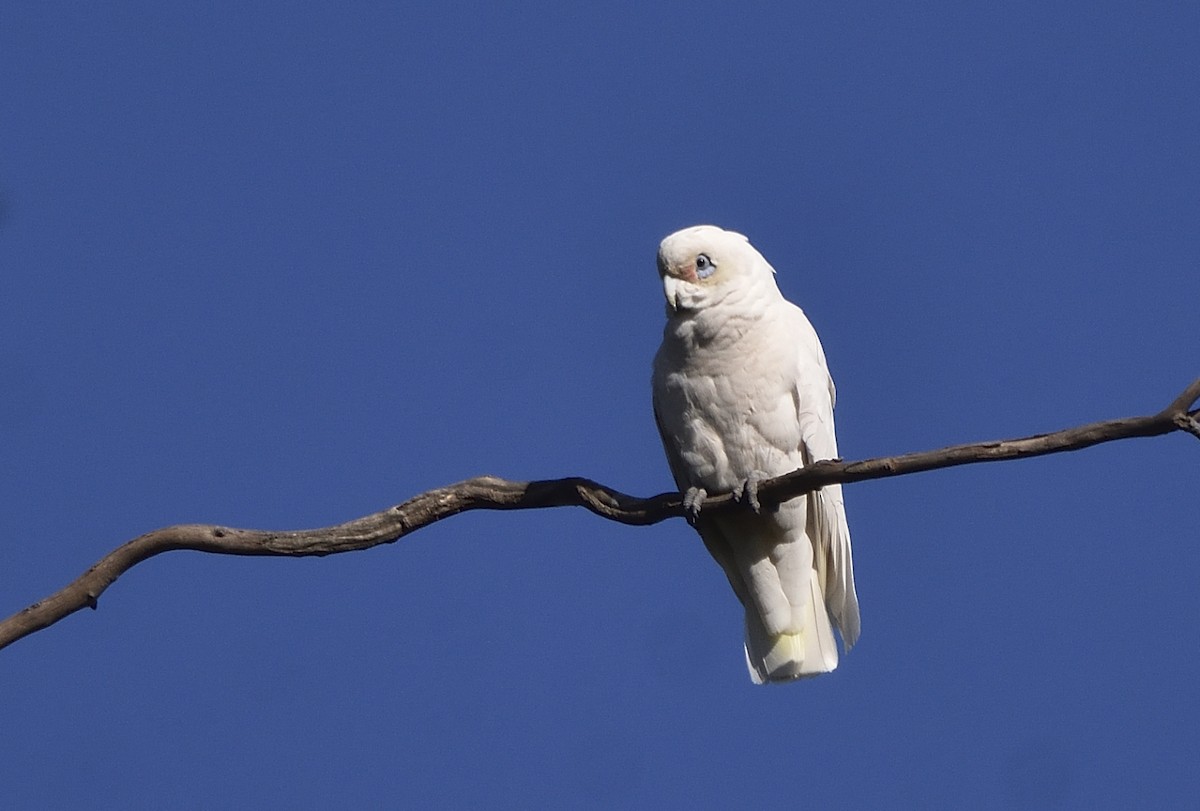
[
  {"x": 692, "y": 501},
  {"x": 747, "y": 492}
]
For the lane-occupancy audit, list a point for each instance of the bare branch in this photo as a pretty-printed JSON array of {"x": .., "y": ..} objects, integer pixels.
[
  {"x": 490, "y": 493},
  {"x": 1188, "y": 422}
]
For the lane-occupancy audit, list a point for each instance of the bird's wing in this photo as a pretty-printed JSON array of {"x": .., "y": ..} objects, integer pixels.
[{"x": 815, "y": 396}]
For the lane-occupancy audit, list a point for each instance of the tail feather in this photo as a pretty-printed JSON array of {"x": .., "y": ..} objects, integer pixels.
[{"x": 784, "y": 657}]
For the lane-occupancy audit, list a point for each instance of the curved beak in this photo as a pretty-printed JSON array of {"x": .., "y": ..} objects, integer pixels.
[{"x": 671, "y": 291}]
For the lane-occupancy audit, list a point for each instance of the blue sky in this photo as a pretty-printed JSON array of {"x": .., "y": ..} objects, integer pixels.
[{"x": 277, "y": 266}]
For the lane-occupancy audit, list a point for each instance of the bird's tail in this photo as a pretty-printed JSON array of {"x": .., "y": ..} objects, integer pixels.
[{"x": 783, "y": 657}]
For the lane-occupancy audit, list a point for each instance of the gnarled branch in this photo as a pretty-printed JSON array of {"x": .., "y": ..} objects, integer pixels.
[{"x": 490, "y": 493}]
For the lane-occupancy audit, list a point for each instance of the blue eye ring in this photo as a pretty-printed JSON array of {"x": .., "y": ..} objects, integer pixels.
[{"x": 704, "y": 266}]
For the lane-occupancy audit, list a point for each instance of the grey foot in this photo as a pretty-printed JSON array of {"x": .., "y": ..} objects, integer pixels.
[
  {"x": 692, "y": 501},
  {"x": 747, "y": 492}
]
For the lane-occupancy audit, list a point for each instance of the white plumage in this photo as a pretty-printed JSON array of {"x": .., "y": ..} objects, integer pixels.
[{"x": 742, "y": 393}]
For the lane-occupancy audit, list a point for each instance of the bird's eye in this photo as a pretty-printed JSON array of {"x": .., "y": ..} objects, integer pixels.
[{"x": 704, "y": 266}]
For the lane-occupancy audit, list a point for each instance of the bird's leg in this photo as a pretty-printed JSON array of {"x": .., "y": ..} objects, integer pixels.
[
  {"x": 747, "y": 491},
  {"x": 692, "y": 500}
]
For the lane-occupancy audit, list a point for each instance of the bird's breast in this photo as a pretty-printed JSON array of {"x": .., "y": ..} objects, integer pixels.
[{"x": 728, "y": 418}]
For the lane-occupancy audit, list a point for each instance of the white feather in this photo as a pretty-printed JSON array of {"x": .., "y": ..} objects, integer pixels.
[{"x": 742, "y": 391}]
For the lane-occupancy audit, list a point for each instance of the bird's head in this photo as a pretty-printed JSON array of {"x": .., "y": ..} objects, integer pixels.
[{"x": 701, "y": 265}]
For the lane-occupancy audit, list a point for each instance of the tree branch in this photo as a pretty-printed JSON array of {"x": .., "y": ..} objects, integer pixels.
[{"x": 490, "y": 493}]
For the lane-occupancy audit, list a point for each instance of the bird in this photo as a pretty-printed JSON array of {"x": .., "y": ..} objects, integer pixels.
[{"x": 742, "y": 393}]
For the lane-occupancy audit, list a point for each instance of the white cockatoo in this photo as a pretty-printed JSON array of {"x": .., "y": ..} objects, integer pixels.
[{"x": 741, "y": 394}]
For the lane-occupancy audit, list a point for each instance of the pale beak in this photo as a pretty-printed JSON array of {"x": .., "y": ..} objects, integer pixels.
[{"x": 671, "y": 290}]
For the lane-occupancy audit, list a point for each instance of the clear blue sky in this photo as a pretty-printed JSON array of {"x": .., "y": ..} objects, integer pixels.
[{"x": 276, "y": 266}]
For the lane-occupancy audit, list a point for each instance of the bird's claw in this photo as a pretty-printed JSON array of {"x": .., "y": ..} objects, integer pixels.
[
  {"x": 692, "y": 501},
  {"x": 747, "y": 493}
]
